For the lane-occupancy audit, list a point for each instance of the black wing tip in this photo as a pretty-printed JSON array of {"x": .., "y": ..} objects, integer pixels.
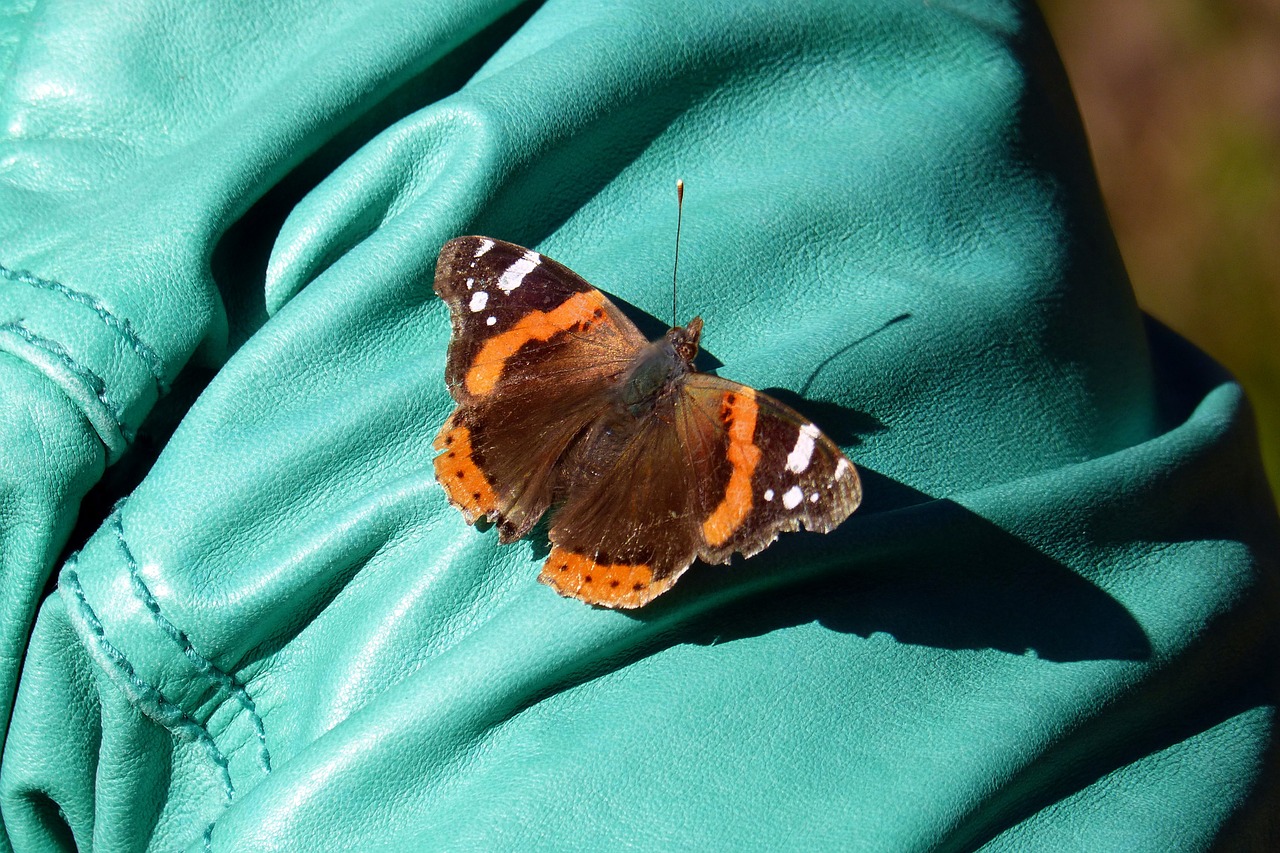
[{"x": 452, "y": 262}]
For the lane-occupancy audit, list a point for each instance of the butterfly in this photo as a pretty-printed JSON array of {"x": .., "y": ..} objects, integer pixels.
[{"x": 645, "y": 463}]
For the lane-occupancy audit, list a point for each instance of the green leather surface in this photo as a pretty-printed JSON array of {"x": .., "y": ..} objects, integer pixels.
[{"x": 1050, "y": 627}]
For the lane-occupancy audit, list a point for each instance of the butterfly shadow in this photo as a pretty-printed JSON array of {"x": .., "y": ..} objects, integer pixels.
[
  {"x": 653, "y": 329},
  {"x": 845, "y": 425},
  {"x": 856, "y": 342},
  {"x": 923, "y": 570}
]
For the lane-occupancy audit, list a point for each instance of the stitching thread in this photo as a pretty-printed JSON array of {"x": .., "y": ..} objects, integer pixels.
[
  {"x": 205, "y": 666},
  {"x": 180, "y": 724},
  {"x": 155, "y": 366},
  {"x": 93, "y": 380}
]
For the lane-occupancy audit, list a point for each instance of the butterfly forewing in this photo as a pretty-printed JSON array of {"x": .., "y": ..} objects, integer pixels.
[
  {"x": 782, "y": 472},
  {"x": 521, "y": 319}
]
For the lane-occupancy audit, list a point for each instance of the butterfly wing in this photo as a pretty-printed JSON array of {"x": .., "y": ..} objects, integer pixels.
[
  {"x": 773, "y": 470},
  {"x": 534, "y": 352},
  {"x": 726, "y": 470},
  {"x": 626, "y": 529},
  {"x": 521, "y": 319}
]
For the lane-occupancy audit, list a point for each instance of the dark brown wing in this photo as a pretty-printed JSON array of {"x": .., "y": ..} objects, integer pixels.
[
  {"x": 520, "y": 318},
  {"x": 777, "y": 472},
  {"x": 534, "y": 355},
  {"x": 724, "y": 470},
  {"x": 627, "y": 529}
]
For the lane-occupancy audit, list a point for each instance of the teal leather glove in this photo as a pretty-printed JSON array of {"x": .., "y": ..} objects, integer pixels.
[{"x": 1050, "y": 627}]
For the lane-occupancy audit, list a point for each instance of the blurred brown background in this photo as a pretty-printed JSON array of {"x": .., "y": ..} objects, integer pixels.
[{"x": 1181, "y": 100}]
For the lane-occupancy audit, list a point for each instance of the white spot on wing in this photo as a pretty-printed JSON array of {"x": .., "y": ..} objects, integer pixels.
[
  {"x": 470, "y": 283},
  {"x": 842, "y": 467},
  {"x": 485, "y": 246},
  {"x": 813, "y": 498},
  {"x": 768, "y": 494},
  {"x": 792, "y": 498},
  {"x": 800, "y": 455},
  {"x": 489, "y": 321},
  {"x": 479, "y": 299},
  {"x": 514, "y": 276}
]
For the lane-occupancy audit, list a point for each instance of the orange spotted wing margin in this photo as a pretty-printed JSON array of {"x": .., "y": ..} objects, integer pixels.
[{"x": 533, "y": 359}]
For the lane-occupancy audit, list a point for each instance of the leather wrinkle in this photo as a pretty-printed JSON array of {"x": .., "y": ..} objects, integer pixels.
[{"x": 95, "y": 382}]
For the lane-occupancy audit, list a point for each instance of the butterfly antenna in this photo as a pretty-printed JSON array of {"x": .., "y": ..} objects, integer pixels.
[{"x": 676, "y": 269}]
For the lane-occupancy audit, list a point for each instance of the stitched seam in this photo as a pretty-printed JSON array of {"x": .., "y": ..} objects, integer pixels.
[
  {"x": 205, "y": 666},
  {"x": 119, "y": 325},
  {"x": 93, "y": 380},
  {"x": 177, "y": 721}
]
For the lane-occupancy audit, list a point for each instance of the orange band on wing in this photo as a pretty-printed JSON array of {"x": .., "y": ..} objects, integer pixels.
[
  {"x": 463, "y": 481},
  {"x": 605, "y": 584},
  {"x": 487, "y": 368},
  {"x": 738, "y": 409}
]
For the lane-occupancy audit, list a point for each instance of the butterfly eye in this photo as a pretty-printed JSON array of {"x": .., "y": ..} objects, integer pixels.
[{"x": 684, "y": 340}]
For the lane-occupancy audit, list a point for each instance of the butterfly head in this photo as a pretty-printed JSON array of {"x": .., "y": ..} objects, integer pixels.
[{"x": 684, "y": 339}]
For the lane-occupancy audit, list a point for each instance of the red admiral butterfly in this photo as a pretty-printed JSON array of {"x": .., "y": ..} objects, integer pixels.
[{"x": 562, "y": 402}]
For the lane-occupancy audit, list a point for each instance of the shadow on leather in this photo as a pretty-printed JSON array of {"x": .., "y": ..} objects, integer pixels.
[{"x": 926, "y": 571}]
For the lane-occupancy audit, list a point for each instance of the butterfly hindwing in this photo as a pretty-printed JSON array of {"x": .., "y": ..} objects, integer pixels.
[
  {"x": 533, "y": 352},
  {"x": 626, "y": 530},
  {"x": 725, "y": 471}
]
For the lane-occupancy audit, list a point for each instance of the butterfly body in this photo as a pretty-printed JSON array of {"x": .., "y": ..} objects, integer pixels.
[
  {"x": 659, "y": 368},
  {"x": 646, "y": 463}
]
